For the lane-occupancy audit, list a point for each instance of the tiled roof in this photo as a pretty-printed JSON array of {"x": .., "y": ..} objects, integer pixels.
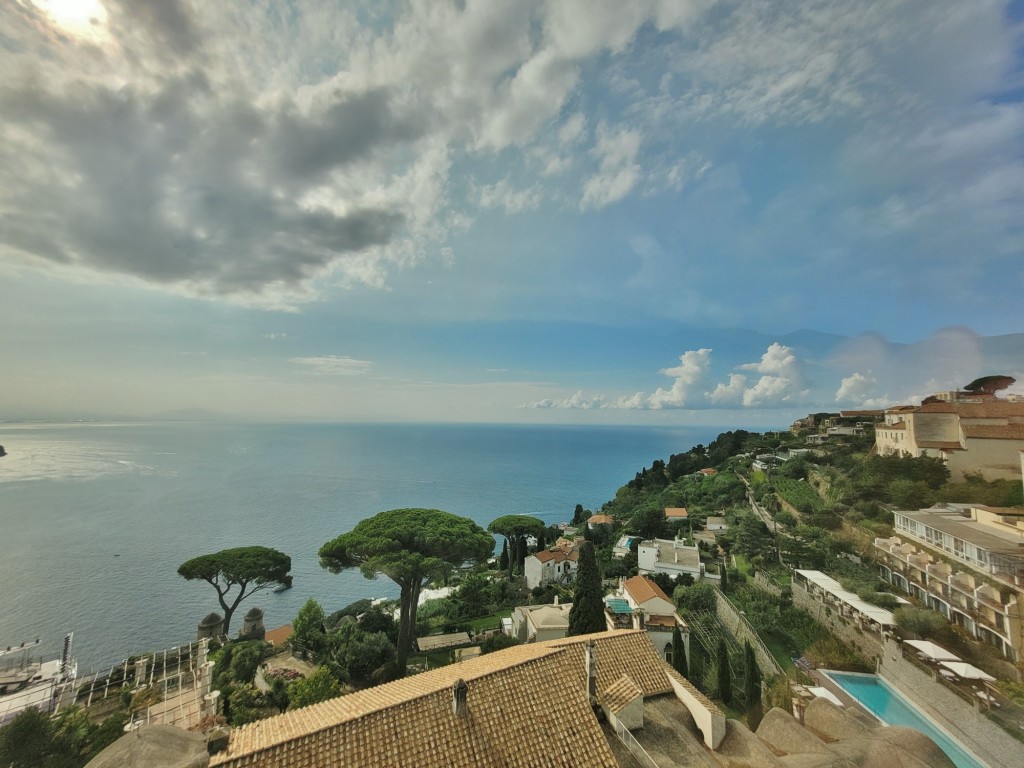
[
  {"x": 707, "y": 471},
  {"x": 994, "y": 431},
  {"x": 558, "y": 555},
  {"x": 992, "y": 409},
  {"x": 620, "y": 652},
  {"x": 643, "y": 589},
  {"x": 620, "y": 693},
  {"x": 676, "y": 512},
  {"x": 600, "y": 520},
  {"x": 529, "y": 694}
]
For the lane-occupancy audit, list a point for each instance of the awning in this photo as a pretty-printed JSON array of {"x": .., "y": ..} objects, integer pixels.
[
  {"x": 967, "y": 671},
  {"x": 931, "y": 650}
]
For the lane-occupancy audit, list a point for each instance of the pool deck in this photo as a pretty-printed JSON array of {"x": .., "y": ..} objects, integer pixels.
[{"x": 826, "y": 682}]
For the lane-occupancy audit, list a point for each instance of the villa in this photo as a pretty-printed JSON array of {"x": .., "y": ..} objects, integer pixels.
[
  {"x": 556, "y": 565},
  {"x": 639, "y": 603},
  {"x": 536, "y": 623},
  {"x": 671, "y": 556}
]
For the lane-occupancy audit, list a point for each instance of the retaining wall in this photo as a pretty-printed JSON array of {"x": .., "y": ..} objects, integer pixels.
[
  {"x": 738, "y": 626},
  {"x": 765, "y": 584},
  {"x": 865, "y": 641}
]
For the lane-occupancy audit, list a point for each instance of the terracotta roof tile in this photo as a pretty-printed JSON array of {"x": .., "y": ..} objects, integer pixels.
[
  {"x": 992, "y": 409},
  {"x": 620, "y": 652},
  {"x": 558, "y": 555},
  {"x": 533, "y": 694},
  {"x": 643, "y": 589},
  {"x": 676, "y": 513},
  {"x": 994, "y": 431},
  {"x": 600, "y": 520},
  {"x": 620, "y": 693}
]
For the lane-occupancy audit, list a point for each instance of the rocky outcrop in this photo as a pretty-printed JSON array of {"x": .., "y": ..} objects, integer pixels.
[{"x": 834, "y": 737}]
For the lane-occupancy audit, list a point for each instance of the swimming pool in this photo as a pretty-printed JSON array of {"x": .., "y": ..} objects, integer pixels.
[{"x": 889, "y": 706}]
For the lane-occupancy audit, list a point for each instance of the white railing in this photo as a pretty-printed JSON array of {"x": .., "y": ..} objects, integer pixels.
[{"x": 631, "y": 743}]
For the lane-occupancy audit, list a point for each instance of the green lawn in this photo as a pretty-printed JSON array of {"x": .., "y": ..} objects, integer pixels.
[
  {"x": 780, "y": 648},
  {"x": 492, "y": 621}
]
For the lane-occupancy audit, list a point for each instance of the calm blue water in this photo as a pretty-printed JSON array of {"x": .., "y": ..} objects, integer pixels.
[
  {"x": 891, "y": 708},
  {"x": 94, "y": 520}
]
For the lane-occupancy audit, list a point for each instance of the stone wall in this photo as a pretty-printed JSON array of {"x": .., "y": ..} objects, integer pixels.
[
  {"x": 738, "y": 626},
  {"x": 979, "y": 734},
  {"x": 765, "y": 584},
  {"x": 867, "y": 643}
]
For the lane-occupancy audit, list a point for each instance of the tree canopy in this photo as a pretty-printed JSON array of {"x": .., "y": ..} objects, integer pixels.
[
  {"x": 412, "y": 547},
  {"x": 990, "y": 384},
  {"x": 515, "y": 529},
  {"x": 251, "y": 569}
]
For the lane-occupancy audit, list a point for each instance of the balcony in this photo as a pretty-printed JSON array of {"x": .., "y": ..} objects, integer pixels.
[
  {"x": 941, "y": 571},
  {"x": 963, "y": 581},
  {"x": 989, "y": 596}
]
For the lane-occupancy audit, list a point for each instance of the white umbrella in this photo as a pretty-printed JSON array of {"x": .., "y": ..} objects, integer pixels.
[
  {"x": 967, "y": 671},
  {"x": 932, "y": 651}
]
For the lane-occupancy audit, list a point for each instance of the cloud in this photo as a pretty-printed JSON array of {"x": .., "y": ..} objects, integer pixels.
[
  {"x": 782, "y": 382},
  {"x": 503, "y": 195},
  {"x": 228, "y": 151},
  {"x": 730, "y": 393},
  {"x": 689, "y": 377},
  {"x": 334, "y": 365},
  {"x": 619, "y": 171},
  {"x": 855, "y": 388},
  {"x": 576, "y": 401},
  {"x": 170, "y": 24}
]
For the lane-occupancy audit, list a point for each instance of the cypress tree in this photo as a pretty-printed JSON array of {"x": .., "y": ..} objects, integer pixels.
[
  {"x": 725, "y": 578},
  {"x": 503, "y": 560},
  {"x": 752, "y": 687},
  {"x": 724, "y": 673},
  {"x": 679, "y": 653},
  {"x": 587, "y": 612},
  {"x": 697, "y": 658}
]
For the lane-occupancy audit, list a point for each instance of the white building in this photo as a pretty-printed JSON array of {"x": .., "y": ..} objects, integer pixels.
[
  {"x": 965, "y": 561},
  {"x": 551, "y": 566},
  {"x": 536, "y": 623},
  {"x": 670, "y": 556},
  {"x": 639, "y": 603}
]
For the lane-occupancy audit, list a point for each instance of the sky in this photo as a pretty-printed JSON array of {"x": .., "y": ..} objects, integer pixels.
[{"x": 574, "y": 211}]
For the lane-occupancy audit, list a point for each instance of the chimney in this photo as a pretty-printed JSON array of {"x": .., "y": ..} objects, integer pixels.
[
  {"x": 556, "y": 599},
  {"x": 591, "y": 663},
  {"x": 459, "y": 691}
]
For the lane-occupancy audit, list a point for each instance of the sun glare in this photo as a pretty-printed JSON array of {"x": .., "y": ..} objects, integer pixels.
[{"x": 77, "y": 17}]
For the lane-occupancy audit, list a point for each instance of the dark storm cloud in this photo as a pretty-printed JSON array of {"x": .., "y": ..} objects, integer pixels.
[
  {"x": 179, "y": 184},
  {"x": 347, "y": 130},
  {"x": 171, "y": 23}
]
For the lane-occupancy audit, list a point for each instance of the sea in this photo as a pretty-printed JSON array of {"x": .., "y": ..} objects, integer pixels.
[{"x": 96, "y": 518}]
